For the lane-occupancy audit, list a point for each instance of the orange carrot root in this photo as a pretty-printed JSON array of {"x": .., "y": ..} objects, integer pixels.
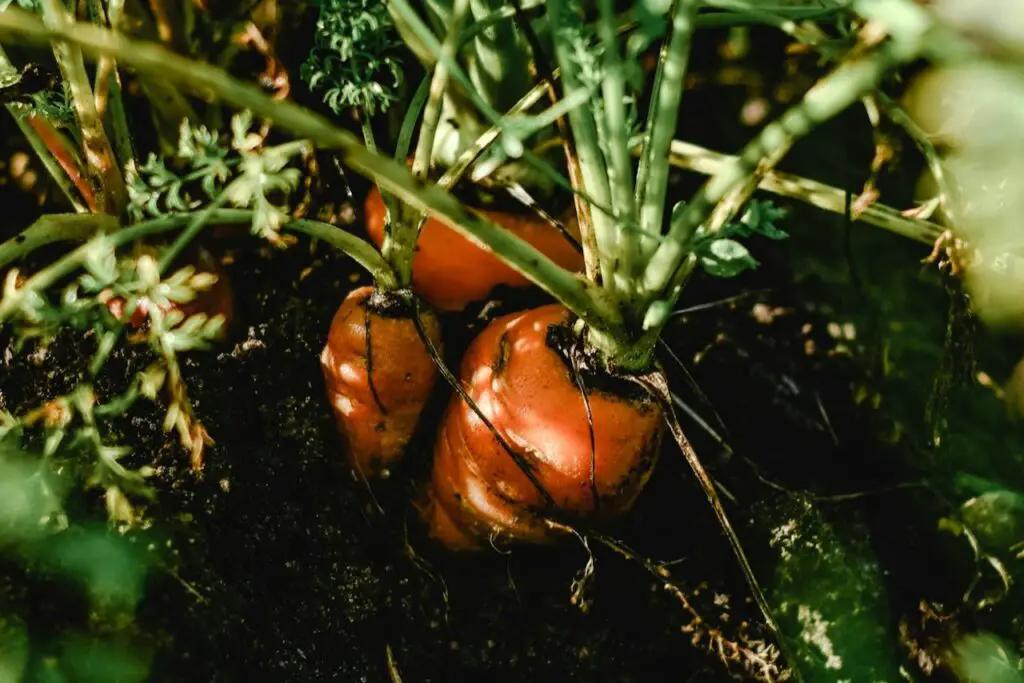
[
  {"x": 531, "y": 395},
  {"x": 449, "y": 271},
  {"x": 379, "y": 376}
]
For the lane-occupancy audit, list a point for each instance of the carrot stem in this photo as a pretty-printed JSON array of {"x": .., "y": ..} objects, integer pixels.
[
  {"x": 109, "y": 96},
  {"x": 831, "y": 95},
  {"x": 669, "y": 82},
  {"x": 691, "y": 157},
  {"x": 100, "y": 164},
  {"x": 585, "y": 133},
  {"x": 620, "y": 167},
  {"x": 399, "y": 245}
]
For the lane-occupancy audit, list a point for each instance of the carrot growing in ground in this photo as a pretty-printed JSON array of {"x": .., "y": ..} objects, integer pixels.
[
  {"x": 378, "y": 374},
  {"x": 558, "y": 436},
  {"x": 377, "y": 371},
  {"x": 559, "y": 414}
]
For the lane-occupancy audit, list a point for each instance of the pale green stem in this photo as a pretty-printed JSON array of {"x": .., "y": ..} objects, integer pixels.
[
  {"x": 457, "y": 170},
  {"x": 153, "y": 60},
  {"x": 691, "y": 157},
  {"x": 109, "y": 97},
  {"x": 431, "y": 43},
  {"x": 620, "y": 166},
  {"x": 948, "y": 196},
  {"x": 731, "y": 204},
  {"x": 825, "y": 99},
  {"x": 662, "y": 118},
  {"x": 50, "y": 229},
  {"x": 399, "y": 246},
  {"x": 200, "y": 220},
  {"x": 419, "y": 38},
  {"x": 435, "y": 98},
  {"x": 101, "y": 166},
  {"x": 500, "y": 61},
  {"x": 591, "y": 160},
  {"x": 61, "y": 227}
]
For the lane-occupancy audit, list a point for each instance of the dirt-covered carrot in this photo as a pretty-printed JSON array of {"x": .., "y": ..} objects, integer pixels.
[
  {"x": 449, "y": 271},
  {"x": 562, "y": 442},
  {"x": 378, "y": 375}
]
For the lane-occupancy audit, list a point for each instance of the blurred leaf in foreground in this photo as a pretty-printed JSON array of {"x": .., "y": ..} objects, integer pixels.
[
  {"x": 93, "y": 661},
  {"x": 977, "y": 109},
  {"x": 30, "y": 504},
  {"x": 829, "y": 593},
  {"x": 112, "y": 570},
  {"x": 983, "y": 658},
  {"x": 13, "y": 648}
]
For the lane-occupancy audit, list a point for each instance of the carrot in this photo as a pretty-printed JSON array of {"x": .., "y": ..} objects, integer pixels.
[
  {"x": 449, "y": 271},
  {"x": 219, "y": 299},
  {"x": 542, "y": 456},
  {"x": 378, "y": 375}
]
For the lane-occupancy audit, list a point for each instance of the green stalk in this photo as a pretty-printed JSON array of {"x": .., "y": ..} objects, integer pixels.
[
  {"x": 670, "y": 79},
  {"x": 46, "y": 157},
  {"x": 399, "y": 246},
  {"x": 422, "y": 33},
  {"x": 50, "y": 229},
  {"x": 620, "y": 168},
  {"x": 500, "y": 63},
  {"x": 100, "y": 164},
  {"x": 200, "y": 220},
  {"x": 108, "y": 89},
  {"x": 456, "y": 171},
  {"x": 825, "y": 99},
  {"x": 435, "y": 98},
  {"x": 420, "y": 38},
  {"x": 691, "y": 157},
  {"x": 154, "y": 61},
  {"x": 591, "y": 160}
]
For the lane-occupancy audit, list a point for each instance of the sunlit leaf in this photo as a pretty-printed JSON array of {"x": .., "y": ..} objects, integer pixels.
[{"x": 984, "y": 658}]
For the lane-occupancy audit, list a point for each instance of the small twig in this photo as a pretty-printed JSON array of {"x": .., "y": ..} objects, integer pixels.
[{"x": 393, "y": 672}]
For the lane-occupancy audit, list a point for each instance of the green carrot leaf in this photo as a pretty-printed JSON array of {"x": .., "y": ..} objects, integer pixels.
[{"x": 725, "y": 258}]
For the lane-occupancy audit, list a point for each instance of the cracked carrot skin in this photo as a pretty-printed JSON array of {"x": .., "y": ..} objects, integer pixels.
[
  {"x": 449, "y": 271},
  {"x": 378, "y": 376},
  {"x": 526, "y": 389}
]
